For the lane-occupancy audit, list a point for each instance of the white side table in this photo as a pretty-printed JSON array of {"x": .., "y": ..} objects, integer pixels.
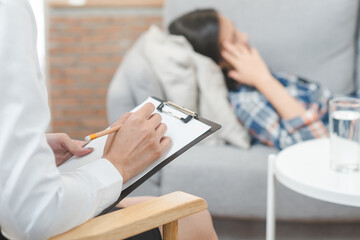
[{"x": 305, "y": 168}]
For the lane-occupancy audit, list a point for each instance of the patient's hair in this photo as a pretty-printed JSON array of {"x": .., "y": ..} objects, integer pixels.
[{"x": 201, "y": 29}]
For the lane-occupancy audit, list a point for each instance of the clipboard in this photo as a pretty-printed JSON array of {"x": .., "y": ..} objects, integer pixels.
[
  {"x": 191, "y": 116},
  {"x": 177, "y": 114}
]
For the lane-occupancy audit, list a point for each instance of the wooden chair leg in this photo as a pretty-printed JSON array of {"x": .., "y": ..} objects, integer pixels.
[{"x": 170, "y": 231}]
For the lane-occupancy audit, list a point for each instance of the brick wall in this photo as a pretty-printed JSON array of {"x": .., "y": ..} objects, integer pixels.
[{"x": 85, "y": 47}]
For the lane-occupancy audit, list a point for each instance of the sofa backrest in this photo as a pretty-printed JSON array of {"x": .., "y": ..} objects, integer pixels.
[{"x": 314, "y": 39}]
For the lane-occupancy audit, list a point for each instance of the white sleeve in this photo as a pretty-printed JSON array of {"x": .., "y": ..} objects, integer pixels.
[{"x": 36, "y": 200}]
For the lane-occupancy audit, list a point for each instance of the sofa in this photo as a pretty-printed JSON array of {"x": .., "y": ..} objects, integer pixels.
[{"x": 317, "y": 40}]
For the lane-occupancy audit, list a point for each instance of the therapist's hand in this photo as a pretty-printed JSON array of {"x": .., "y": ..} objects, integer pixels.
[
  {"x": 64, "y": 147},
  {"x": 139, "y": 142}
]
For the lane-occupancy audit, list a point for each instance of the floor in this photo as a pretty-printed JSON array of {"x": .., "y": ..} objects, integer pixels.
[{"x": 255, "y": 230}]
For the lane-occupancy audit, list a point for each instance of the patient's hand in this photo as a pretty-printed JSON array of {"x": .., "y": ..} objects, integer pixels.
[
  {"x": 249, "y": 67},
  {"x": 64, "y": 147}
]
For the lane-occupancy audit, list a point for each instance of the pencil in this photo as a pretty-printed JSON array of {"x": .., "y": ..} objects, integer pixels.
[{"x": 102, "y": 133}]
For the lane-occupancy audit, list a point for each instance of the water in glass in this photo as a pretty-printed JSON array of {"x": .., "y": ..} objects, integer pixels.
[{"x": 344, "y": 140}]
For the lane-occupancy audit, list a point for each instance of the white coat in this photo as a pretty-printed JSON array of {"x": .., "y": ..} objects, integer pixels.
[{"x": 36, "y": 200}]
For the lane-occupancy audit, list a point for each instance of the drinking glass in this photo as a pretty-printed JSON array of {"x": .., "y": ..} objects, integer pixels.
[{"x": 344, "y": 134}]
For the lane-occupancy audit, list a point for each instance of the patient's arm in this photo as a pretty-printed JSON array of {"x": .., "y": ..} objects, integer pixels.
[{"x": 286, "y": 106}]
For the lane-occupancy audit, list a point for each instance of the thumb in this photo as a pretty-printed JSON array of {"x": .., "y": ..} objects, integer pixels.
[
  {"x": 80, "y": 151},
  {"x": 76, "y": 148}
]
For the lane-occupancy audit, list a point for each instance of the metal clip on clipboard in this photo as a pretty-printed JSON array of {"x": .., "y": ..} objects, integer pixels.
[{"x": 190, "y": 114}]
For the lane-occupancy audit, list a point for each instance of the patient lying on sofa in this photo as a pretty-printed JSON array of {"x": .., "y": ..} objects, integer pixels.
[{"x": 278, "y": 109}]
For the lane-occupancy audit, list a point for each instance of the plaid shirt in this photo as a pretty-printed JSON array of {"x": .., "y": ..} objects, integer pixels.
[{"x": 265, "y": 124}]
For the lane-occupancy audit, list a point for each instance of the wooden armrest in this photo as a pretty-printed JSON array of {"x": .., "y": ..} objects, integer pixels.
[{"x": 139, "y": 218}]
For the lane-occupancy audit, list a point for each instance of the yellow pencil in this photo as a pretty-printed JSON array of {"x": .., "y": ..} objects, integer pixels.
[{"x": 102, "y": 133}]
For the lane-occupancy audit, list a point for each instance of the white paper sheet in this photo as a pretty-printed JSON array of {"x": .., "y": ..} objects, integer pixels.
[{"x": 181, "y": 134}]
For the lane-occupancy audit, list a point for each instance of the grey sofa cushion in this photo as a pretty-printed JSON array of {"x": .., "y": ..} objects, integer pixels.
[
  {"x": 225, "y": 176},
  {"x": 314, "y": 39},
  {"x": 233, "y": 182}
]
